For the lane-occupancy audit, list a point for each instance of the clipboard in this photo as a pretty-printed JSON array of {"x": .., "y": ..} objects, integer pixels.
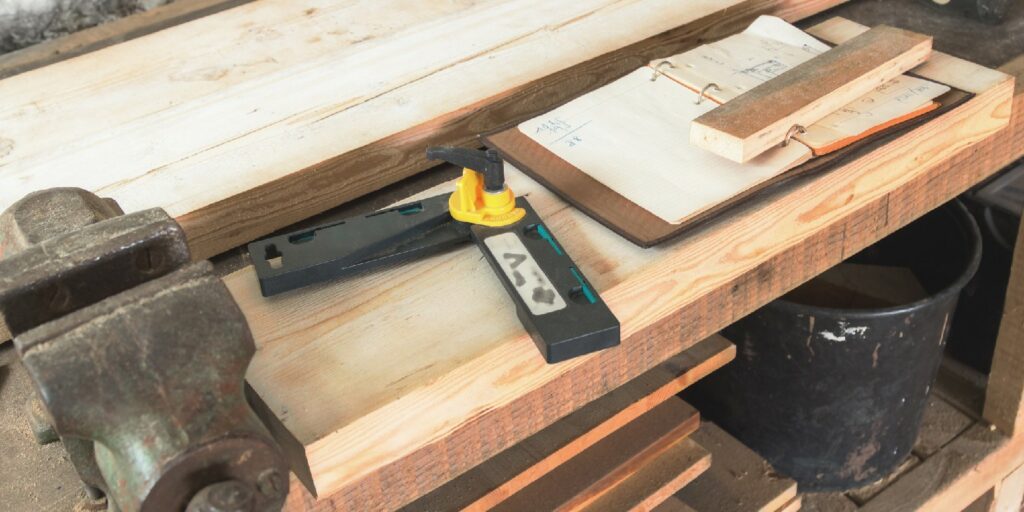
[{"x": 612, "y": 189}]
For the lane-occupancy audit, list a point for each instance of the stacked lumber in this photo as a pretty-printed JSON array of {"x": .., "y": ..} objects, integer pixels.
[
  {"x": 272, "y": 111},
  {"x": 626, "y": 449}
]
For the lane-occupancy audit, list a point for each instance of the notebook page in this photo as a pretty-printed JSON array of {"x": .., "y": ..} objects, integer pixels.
[
  {"x": 632, "y": 136},
  {"x": 740, "y": 62}
]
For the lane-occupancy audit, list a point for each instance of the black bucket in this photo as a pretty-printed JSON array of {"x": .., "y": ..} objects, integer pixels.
[{"x": 831, "y": 392}]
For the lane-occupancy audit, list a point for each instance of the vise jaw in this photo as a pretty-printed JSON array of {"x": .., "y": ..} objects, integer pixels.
[{"x": 138, "y": 356}]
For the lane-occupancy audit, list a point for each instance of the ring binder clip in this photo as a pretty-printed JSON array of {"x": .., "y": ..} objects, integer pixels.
[
  {"x": 657, "y": 69},
  {"x": 793, "y": 130},
  {"x": 703, "y": 91}
]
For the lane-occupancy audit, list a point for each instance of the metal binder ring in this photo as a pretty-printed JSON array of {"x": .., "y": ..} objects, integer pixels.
[
  {"x": 657, "y": 69},
  {"x": 793, "y": 130},
  {"x": 703, "y": 91}
]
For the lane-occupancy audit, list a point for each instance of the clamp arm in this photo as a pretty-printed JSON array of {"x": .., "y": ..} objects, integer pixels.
[{"x": 485, "y": 162}]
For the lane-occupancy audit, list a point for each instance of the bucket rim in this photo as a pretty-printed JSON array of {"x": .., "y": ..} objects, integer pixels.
[{"x": 971, "y": 230}]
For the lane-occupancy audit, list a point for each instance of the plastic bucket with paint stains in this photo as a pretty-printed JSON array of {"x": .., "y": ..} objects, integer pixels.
[{"x": 831, "y": 381}]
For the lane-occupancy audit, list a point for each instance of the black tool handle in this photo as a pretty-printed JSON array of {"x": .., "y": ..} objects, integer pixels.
[{"x": 486, "y": 161}]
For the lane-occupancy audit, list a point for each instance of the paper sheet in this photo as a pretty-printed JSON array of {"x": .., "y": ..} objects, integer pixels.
[
  {"x": 740, "y": 62},
  {"x": 632, "y": 136}
]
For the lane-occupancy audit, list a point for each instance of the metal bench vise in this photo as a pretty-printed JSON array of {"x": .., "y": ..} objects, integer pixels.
[{"x": 138, "y": 357}]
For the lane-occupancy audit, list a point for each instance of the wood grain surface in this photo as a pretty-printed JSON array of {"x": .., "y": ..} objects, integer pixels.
[
  {"x": 596, "y": 471},
  {"x": 336, "y": 343},
  {"x": 761, "y": 118},
  {"x": 276, "y": 110},
  {"x": 654, "y": 483},
  {"x": 643, "y": 227},
  {"x": 490, "y": 483}
]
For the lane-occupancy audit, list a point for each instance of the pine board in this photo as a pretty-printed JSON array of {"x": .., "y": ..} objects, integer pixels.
[
  {"x": 761, "y": 118},
  {"x": 383, "y": 431},
  {"x": 272, "y": 111},
  {"x": 488, "y": 484},
  {"x": 656, "y": 481}
]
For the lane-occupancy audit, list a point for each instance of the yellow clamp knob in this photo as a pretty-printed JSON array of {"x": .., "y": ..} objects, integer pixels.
[{"x": 471, "y": 203}]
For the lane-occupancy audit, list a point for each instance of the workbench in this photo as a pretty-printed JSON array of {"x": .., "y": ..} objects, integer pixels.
[{"x": 370, "y": 421}]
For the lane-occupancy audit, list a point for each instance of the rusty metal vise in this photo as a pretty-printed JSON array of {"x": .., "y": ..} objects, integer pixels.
[{"x": 138, "y": 357}]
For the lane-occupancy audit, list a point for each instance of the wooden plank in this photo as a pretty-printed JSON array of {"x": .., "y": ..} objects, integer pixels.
[
  {"x": 585, "y": 478},
  {"x": 305, "y": 105},
  {"x": 656, "y": 481},
  {"x": 739, "y": 480},
  {"x": 384, "y": 432},
  {"x": 488, "y": 484},
  {"x": 761, "y": 118},
  {"x": 107, "y": 34},
  {"x": 940, "y": 67}
]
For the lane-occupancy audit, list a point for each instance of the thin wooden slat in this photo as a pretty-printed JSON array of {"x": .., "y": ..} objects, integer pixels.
[
  {"x": 739, "y": 480},
  {"x": 384, "y": 431},
  {"x": 585, "y": 478},
  {"x": 761, "y": 118},
  {"x": 656, "y": 481},
  {"x": 499, "y": 477}
]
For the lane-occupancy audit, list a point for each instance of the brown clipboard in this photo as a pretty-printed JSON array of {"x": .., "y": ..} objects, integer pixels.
[{"x": 642, "y": 227}]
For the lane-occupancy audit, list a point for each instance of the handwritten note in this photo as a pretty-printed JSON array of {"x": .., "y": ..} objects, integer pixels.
[
  {"x": 769, "y": 47},
  {"x": 738, "y": 63},
  {"x": 632, "y": 135}
]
